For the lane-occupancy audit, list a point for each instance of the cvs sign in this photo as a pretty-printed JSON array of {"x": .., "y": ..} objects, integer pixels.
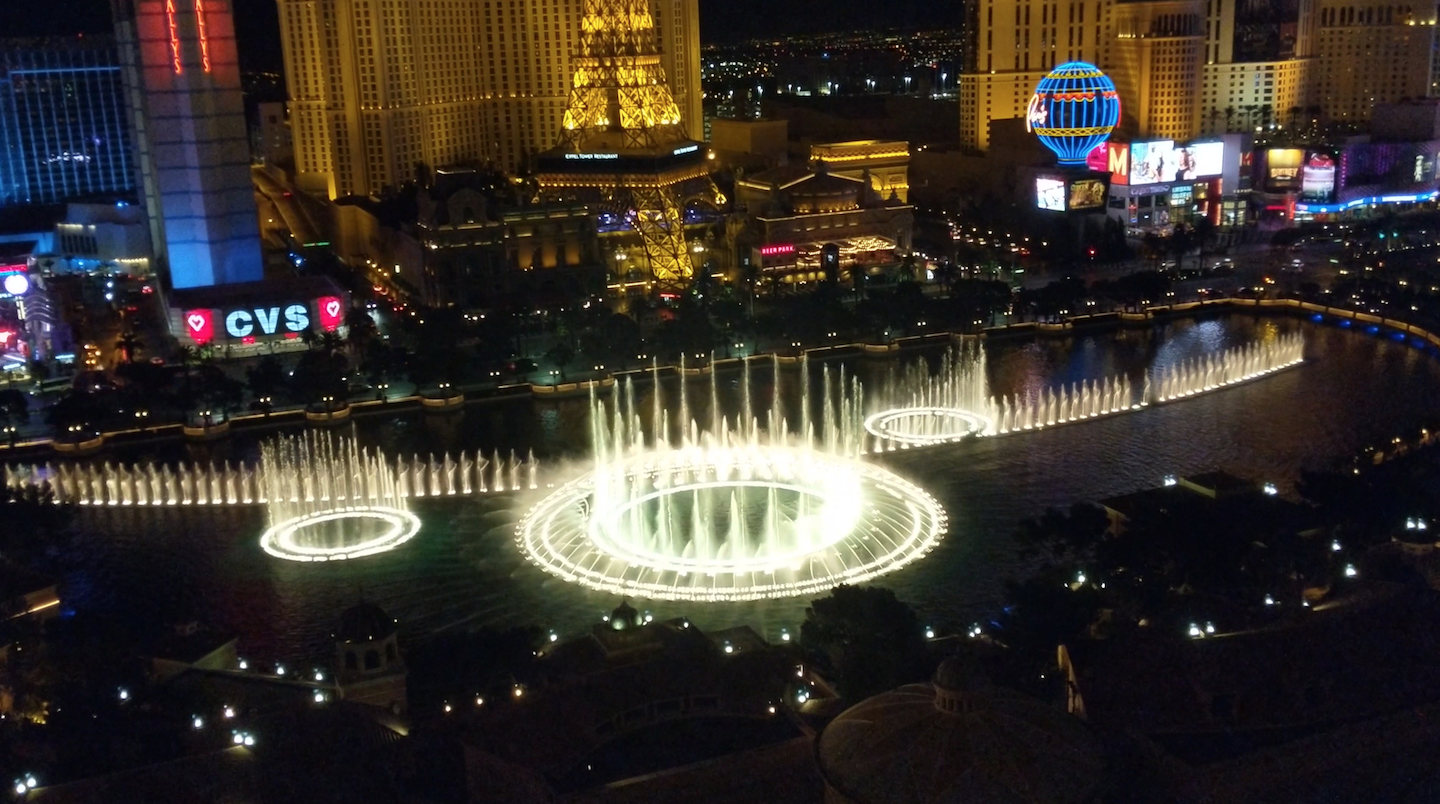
[
  {"x": 331, "y": 312},
  {"x": 200, "y": 325},
  {"x": 267, "y": 320}
]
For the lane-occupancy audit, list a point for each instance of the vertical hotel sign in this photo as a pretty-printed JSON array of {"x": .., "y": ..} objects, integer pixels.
[{"x": 202, "y": 37}]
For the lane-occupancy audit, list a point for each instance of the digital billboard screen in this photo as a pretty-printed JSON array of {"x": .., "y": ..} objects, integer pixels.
[
  {"x": 1282, "y": 168},
  {"x": 1087, "y": 194},
  {"x": 1317, "y": 181},
  {"x": 1152, "y": 162},
  {"x": 1050, "y": 194},
  {"x": 1200, "y": 160}
]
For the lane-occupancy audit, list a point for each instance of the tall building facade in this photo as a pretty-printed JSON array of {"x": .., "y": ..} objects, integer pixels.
[
  {"x": 1154, "y": 59},
  {"x": 1369, "y": 53},
  {"x": 183, "y": 87},
  {"x": 64, "y": 134},
  {"x": 1259, "y": 64},
  {"x": 1010, "y": 46},
  {"x": 379, "y": 88},
  {"x": 1191, "y": 67}
]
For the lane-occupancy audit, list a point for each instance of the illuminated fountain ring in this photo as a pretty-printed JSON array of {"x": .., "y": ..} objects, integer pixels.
[
  {"x": 281, "y": 540},
  {"x": 924, "y": 426},
  {"x": 859, "y": 521}
]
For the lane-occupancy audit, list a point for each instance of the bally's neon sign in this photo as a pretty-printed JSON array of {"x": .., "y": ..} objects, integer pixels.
[{"x": 243, "y": 323}]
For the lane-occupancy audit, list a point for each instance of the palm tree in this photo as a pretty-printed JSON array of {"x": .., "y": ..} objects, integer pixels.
[
  {"x": 128, "y": 344},
  {"x": 330, "y": 342},
  {"x": 359, "y": 328}
]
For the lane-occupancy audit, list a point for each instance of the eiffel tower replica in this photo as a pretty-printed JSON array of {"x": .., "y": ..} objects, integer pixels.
[{"x": 623, "y": 147}]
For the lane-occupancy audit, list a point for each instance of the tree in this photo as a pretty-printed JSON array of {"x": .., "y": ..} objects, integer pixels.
[
  {"x": 561, "y": 354},
  {"x": 14, "y": 405},
  {"x": 266, "y": 377},
  {"x": 1060, "y": 537},
  {"x": 360, "y": 329},
  {"x": 867, "y": 638}
]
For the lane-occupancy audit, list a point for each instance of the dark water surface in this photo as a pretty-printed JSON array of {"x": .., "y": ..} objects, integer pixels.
[{"x": 463, "y": 570}]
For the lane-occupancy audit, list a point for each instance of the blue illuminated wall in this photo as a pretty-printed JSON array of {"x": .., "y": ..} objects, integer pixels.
[{"x": 64, "y": 134}]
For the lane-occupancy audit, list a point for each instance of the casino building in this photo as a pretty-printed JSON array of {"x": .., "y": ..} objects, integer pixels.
[{"x": 805, "y": 223}]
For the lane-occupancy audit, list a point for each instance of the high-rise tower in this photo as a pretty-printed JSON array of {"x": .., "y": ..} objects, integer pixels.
[
  {"x": 622, "y": 143},
  {"x": 182, "y": 79}
]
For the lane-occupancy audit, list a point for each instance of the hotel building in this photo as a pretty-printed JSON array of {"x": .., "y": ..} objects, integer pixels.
[
  {"x": 379, "y": 88},
  {"x": 184, "y": 98},
  {"x": 64, "y": 134}
]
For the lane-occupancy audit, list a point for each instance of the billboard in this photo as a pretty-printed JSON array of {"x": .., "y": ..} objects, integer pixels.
[
  {"x": 1282, "y": 168},
  {"x": 1050, "y": 194},
  {"x": 1152, "y": 162},
  {"x": 1200, "y": 160},
  {"x": 1086, "y": 194},
  {"x": 1317, "y": 180}
]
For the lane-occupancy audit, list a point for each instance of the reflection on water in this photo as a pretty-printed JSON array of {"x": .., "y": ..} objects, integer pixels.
[{"x": 462, "y": 571}]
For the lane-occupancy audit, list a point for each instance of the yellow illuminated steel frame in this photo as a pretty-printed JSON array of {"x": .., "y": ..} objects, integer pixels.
[{"x": 620, "y": 101}]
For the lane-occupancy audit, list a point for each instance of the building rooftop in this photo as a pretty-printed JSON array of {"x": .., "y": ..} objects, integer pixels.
[
  {"x": 1368, "y": 654},
  {"x": 910, "y": 746}
]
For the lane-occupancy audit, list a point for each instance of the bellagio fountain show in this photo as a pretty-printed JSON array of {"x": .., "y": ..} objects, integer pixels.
[{"x": 758, "y": 483}]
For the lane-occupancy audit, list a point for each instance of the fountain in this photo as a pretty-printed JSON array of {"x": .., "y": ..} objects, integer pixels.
[
  {"x": 1235, "y": 365},
  {"x": 921, "y": 409},
  {"x": 329, "y": 500},
  {"x": 729, "y": 510},
  {"x": 211, "y": 485}
]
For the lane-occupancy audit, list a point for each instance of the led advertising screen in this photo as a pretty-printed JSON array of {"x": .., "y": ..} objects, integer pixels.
[
  {"x": 1152, "y": 162},
  {"x": 1317, "y": 181},
  {"x": 1050, "y": 194},
  {"x": 1200, "y": 160},
  {"x": 1282, "y": 168},
  {"x": 1087, "y": 194}
]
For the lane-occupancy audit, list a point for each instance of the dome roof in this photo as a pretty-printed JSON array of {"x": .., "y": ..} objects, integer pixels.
[
  {"x": 624, "y": 616},
  {"x": 957, "y": 675},
  {"x": 364, "y": 622},
  {"x": 900, "y": 748}
]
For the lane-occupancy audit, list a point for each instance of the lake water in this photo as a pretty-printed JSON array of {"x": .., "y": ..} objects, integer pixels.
[{"x": 463, "y": 571}]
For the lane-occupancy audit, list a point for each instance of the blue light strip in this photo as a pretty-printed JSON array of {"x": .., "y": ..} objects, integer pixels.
[{"x": 1400, "y": 198}]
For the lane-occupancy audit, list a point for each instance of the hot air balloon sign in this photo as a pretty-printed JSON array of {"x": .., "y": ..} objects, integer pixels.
[{"x": 1074, "y": 109}]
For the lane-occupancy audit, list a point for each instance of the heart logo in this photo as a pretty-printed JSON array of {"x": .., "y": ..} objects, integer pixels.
[
  {"x": 196, "y": 322},
  {"x": 333, "y": 309}
]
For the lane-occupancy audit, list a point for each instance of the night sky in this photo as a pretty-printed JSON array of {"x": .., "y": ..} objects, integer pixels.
[{"x": 720, "y": 20}]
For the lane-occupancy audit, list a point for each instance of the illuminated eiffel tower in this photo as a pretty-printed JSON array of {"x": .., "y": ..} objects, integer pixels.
[{"x": 623, "y": 146}]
